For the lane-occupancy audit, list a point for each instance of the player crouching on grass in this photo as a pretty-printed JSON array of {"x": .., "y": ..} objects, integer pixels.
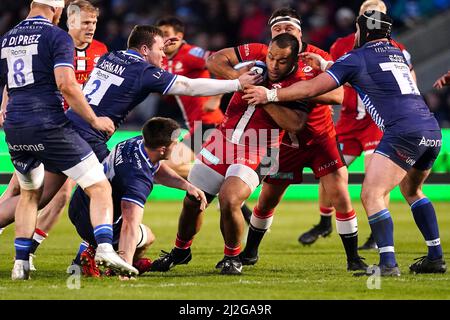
[{"x": 132, "y": 168}]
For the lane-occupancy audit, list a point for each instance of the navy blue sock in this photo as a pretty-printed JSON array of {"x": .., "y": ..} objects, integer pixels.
[
  {"x": 103, "y": 234},
  {"x": 23, "y": 248},
  {"x": 383, "y": 232},
  {"x": 425, "y": 217},
  {"x": 83, "y": 246}
]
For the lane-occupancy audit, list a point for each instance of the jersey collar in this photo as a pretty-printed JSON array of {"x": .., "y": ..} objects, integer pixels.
[
  {"x": 133, "y": 53},
  {"x": 37, "y": 18},
  {"x": 145, "y": 156}
]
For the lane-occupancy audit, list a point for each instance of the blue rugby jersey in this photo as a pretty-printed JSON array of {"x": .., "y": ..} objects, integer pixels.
[
  {"x": 380, "y": 74},
  {"x": 120, "y": 81},
  {"x": 130, "y": 173},
  {"x": 29, "y": 53}
]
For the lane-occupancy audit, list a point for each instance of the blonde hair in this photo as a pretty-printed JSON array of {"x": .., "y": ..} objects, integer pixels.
[
  {"x": 83, "y": 5},
  {"x": 373, "y": 5}
]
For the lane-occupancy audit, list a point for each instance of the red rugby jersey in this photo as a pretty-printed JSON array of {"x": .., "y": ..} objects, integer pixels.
[
  {"x": 190, "y": 61},
  {"x": 320, "y": 122}
]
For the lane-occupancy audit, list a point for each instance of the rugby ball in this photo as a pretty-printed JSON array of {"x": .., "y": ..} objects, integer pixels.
[{"x": 259, "y": 67}]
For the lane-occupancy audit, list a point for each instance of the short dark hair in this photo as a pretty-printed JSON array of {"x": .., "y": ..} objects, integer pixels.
[
  {"x": 286, "y": 11},
  {"x": 171, "y": 21},
  {"x": 285, "y": 40},
  {"x": 160, "y": 132},
  {"x": 143, "y": 35}
]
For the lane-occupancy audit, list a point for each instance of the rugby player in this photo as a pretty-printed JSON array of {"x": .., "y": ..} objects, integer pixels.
[
  {"x": 37, "y": 67},
  {"x": 132, "y": 168},
  {"x": 202, "y": 114},
  {"x": 356, "y": 131},
  {"x": 233, "y": 161},
  {"x": 410, "y": 144}
]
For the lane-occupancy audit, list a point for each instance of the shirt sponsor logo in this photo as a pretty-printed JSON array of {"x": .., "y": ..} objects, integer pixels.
[
  {"x": 328, "y": 165},
  {"x": 26, "y": 147},
  {"x": 430, "y": 142},
  {"x": 307, "y": 69}
]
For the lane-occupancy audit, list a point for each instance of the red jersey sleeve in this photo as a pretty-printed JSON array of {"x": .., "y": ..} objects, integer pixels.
[{"x": 251, "y": 51}]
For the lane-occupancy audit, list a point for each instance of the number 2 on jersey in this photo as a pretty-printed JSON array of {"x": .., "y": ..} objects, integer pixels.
[{"x": 99, "y": 83}]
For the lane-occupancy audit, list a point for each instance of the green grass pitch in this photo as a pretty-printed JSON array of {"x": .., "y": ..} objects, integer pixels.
[{"x": 286, "y": 270}]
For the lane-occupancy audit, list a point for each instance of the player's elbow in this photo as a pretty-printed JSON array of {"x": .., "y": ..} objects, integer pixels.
[{"x": 66, "y": 87}]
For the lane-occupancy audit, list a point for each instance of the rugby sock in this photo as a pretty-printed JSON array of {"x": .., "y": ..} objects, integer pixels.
[
  {"x": 246, "y": 213},
  {"x": 325, "y": 216},
  {"x": 425, "y": 217},
  {"x": 1, "y": 230},
  {"x": 383, "y": 231},
  {"x": 347, "y": 227},
  {"x": 260, "y": 222},
  {"x": 232, "y": 251},
  {"x": 103, "y": 234},
  {"x": 182, "y": 244},
  {"x": 23, "y": 246},
  {"x": 83, "y": 246},
  {"x": 38, "y": 237}
]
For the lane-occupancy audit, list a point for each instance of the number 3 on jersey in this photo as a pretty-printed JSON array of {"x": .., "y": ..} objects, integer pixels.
[{"x": 98, "y": 84}]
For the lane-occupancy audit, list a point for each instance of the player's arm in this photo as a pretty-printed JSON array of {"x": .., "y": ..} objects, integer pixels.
[
  {"x": 129, "y": 233},
  {"x": 301, "y": 90},
  {"x": 169, "y": 178},
  {"x": 184, "y": 86},
  {"x": 292, "y": 120},
  {"x": 71, "y": 91},
  {"x": 221, "y": 64},
  {"x": 335, "y": 96},
  {"x": 3, "y": 106}
]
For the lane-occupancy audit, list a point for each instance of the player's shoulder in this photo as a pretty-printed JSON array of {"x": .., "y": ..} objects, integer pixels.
[
  {"x": 342, "y": 45},
  {"x": 397, "y": 44},
  {"x": 252, "y": 51},
  {"x": 99, "y": 46},
  {"x": 193, "y": 51},
  {"x": 307, "y": 47}
]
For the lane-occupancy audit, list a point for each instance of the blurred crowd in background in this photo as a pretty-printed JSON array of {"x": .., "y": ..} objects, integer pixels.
[{"x": 215, "y": 24}]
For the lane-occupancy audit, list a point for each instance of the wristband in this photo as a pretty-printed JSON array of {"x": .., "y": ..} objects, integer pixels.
[{"x": 272, "y": 95}]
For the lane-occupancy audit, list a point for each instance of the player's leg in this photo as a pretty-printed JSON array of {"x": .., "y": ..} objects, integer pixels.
[
  {"x": 382, "y": 175},
  {"x": 370, "y": 242},
  {"x": 52, "y": 183},
  {"x": 261, "y": 220},
  {"x": 146, "y": 240},
  {"x": 191, "y": 217},
  {"x": 425, "y": 218},
  {"x": 239, "y": 184},
  {"x": 31, "y": 183},
  {"x": 12, "y": 190},
  {"x": 51, "y": 213},
  {"x": 336, "y": 185},
  {"x": 351, "y": 149}
]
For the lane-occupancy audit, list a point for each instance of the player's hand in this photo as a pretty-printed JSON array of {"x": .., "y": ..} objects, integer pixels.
[
  {"x": 256, "y": 95},
  {"x": 314, "y": 60},
  {"x": 198, "y": 194},
  {"x": 2, "y": 118},
  {"x": 104, "y": 124},
  {"x": 442, "y": 81},
  {"x": 170, "y": 41},
  {"x": 250, "y": 78}
]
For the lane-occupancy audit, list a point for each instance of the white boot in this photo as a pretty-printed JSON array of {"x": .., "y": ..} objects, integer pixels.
[
  {"x": 21, "y": 270},
  {"x": 106, "y": 256}
]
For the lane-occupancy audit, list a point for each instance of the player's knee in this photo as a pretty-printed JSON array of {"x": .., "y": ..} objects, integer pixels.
[
  {"x": 230, "y": 201},
  {"x": 409, "y": 192},
  {"x": 102, "y": 188}
]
